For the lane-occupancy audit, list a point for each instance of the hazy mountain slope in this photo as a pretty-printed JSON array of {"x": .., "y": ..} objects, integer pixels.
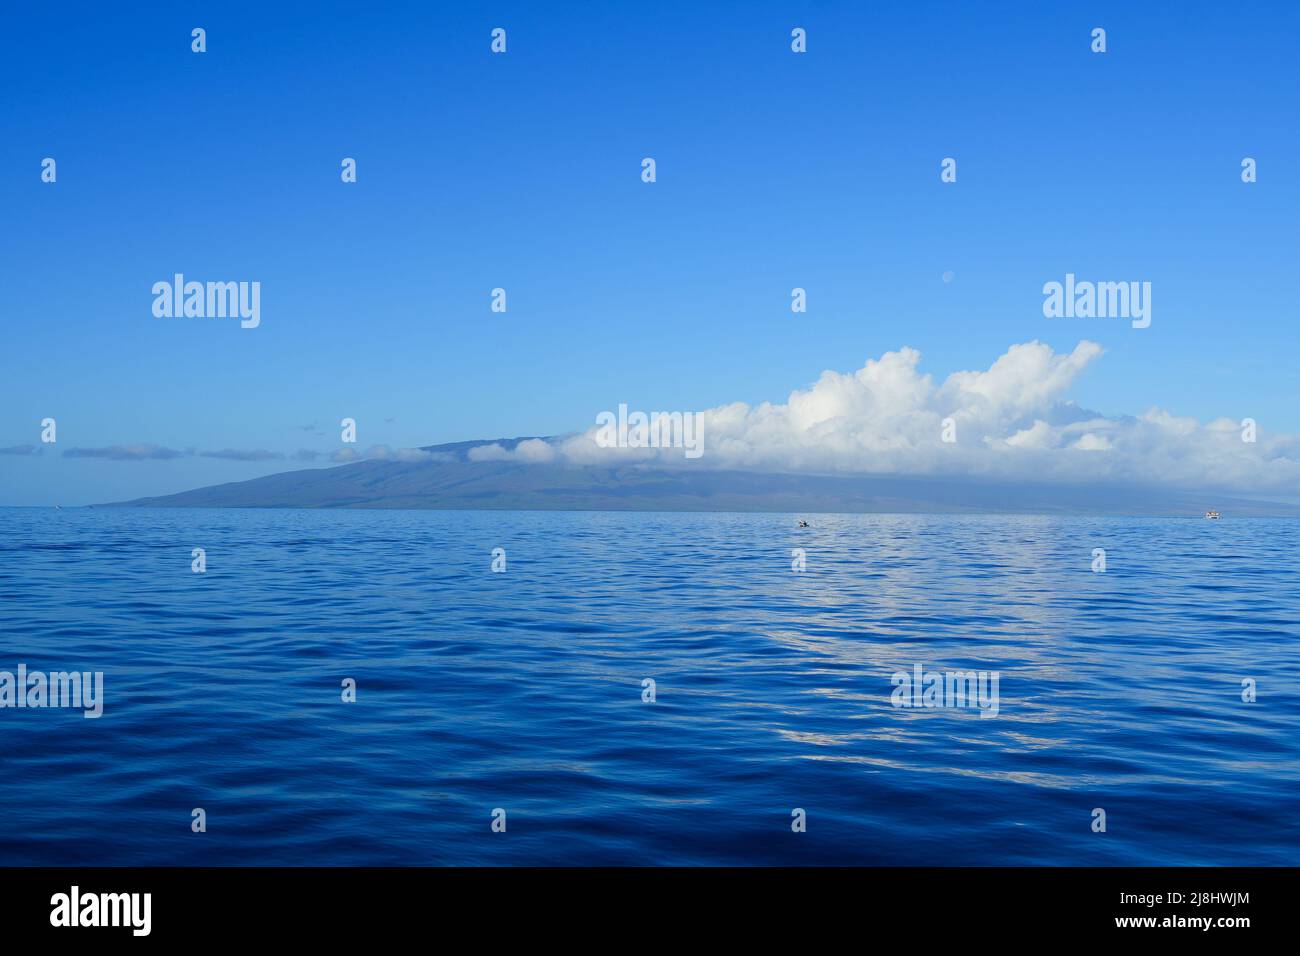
[{"x": 454, "y": 482}]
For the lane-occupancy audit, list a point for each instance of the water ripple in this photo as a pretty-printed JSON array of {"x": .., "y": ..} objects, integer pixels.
[{"x": 523, "y": 690}]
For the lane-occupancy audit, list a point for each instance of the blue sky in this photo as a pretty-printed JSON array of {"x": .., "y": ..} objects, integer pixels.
[{"x": 522, "y": 171}]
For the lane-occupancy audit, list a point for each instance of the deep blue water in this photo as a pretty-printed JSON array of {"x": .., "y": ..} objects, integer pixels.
[{"x": 522, "y": 690}]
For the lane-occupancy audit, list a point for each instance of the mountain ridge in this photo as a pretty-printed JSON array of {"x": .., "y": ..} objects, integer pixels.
[{"x": 450, "y": 480}]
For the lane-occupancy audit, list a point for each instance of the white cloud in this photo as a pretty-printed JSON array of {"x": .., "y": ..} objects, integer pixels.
[
  {"x": 1038, "y": 435},
  {"x": 1013, "y": 421},
  {"x": 535, "y": 450},
  {"x": 492, "y": 452},
  {"x": 529, "y": 451},
  {"x": 1090, "y": 441}
]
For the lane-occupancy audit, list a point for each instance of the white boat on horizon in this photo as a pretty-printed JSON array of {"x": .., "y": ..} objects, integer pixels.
[{"x": 1212, "y": 514}]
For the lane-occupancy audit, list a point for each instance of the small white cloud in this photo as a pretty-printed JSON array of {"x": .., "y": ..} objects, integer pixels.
[
  {"x": 531, "y": 451},
  {"x": 1038, "y": 435},
  {"x": 534, "y": 450},
  {"x": 493, "y": 452},
  {"x": 1091, "y": 442}
]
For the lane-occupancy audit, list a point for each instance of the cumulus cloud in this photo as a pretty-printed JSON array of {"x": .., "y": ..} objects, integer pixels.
[
  {"x": 529, "y": 451},
  {"x": 384, "y": 453},
  {"x": 1012, "y": 420},
  {"x": 492, "y": 452},
  {"x": 534, "y": 450},
  {"x": 142, "y": 452}
]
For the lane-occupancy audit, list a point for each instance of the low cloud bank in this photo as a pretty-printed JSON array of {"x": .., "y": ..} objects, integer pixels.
[{"x": 1010, "y": 421}]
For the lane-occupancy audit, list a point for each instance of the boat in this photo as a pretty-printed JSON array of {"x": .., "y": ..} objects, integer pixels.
[{"x": 1212, "y": 514}]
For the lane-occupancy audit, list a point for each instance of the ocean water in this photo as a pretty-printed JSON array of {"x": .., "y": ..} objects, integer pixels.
[{"x": 522, "y": 690}]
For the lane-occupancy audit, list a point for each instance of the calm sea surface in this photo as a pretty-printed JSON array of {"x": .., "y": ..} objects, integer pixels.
[{"x": 522, "y": 690}]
